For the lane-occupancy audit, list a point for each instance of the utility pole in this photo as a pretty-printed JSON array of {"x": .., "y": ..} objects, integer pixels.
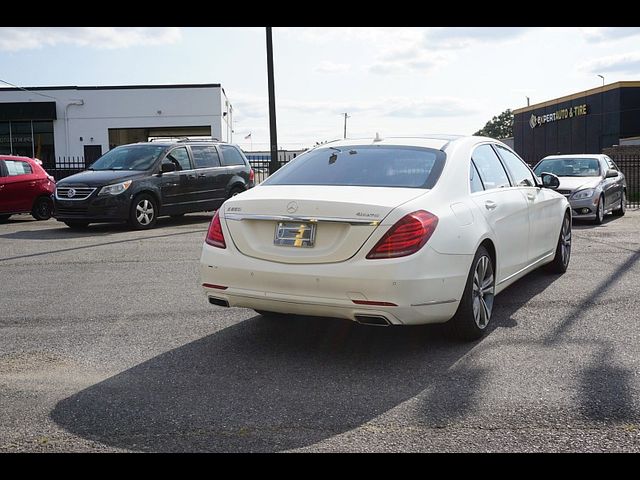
[
  {"x": 345, "y": 123},
  {"x": 273, "y": 164}
]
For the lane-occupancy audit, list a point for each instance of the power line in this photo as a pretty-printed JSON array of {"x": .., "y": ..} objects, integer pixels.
[{"x": 30, "y": 91}]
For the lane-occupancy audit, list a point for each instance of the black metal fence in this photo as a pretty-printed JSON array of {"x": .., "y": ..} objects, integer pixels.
[
  {"x": 65, "y": 167},
  {"x": 260, "y": 165},
  {"x": 630, "y": 166}
]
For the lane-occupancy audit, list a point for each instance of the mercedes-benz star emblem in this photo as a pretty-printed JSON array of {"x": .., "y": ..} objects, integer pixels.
[
  {"x": 71, "y": 193},
  {"x": 292, "y": 207}
]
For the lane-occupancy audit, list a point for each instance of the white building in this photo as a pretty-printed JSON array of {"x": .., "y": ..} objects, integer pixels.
[{"x": 55, "y": 122}]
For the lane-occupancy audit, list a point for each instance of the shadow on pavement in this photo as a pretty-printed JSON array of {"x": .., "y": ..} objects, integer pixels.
[
  {"x": 58, "y": 230},
  {"x": 267, "y": 385}
]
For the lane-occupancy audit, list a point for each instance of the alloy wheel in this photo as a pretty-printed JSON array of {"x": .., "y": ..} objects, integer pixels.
[
  {"x": 144, "y": 212},
  {"x": 600, "y": 211},
  {"x": 483, "y": 291},
  {"x": 565, "y": 240}
]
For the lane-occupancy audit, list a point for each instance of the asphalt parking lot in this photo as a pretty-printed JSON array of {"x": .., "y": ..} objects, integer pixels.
[{"x": 108, "y": 344}]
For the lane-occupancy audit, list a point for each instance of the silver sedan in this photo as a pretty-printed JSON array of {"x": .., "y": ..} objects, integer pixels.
[{"x": 593, "y": 184}]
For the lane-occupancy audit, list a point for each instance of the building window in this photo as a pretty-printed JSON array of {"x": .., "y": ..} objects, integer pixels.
[
  {"x": 28, "y": 139},
  {"x": 5, "y": 138}
]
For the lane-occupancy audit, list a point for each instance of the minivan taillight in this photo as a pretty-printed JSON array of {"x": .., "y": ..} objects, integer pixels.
[
  {"x": 215, "y": 237},
  {"x": 407, "y": 236},
  {"x": 252, "y": 175}
]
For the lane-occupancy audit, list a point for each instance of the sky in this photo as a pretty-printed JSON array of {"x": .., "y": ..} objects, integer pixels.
[{"x": 392, "y": 80}]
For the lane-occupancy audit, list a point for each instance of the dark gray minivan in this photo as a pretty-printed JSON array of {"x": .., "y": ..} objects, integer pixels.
[{"x": 139, "y": 182}]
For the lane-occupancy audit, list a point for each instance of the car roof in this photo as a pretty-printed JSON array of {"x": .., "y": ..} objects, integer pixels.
[
  {"x": 16, "y": 157},
  {"x": 439, "y": 142},
  {"x": 576, "y": 155}
]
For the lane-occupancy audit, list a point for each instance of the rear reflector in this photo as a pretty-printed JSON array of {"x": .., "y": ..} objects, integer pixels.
[
  {"x": 215, "y": 237},
  {"x": 378, "y": 304},
  {"x": 252, "y": 175},
  {"x": 407, "y": 236},
  {"x": 211, "y": 285}
]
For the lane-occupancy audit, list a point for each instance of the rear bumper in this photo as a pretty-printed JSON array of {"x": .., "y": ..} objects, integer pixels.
[{"x": 424, "y": 287}]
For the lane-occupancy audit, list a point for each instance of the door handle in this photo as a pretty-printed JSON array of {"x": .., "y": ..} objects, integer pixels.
[
  {"x": 202, "y": 175},
  {"x": 32, "y": 184},
  {"x": 191, "y": 176},
  {"x": 490, "y": 205},
  {"x": 531, "y": 196}
]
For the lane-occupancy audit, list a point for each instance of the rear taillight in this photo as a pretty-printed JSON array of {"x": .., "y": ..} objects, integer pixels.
[
  {"x": 407, "y": 236},
  {"x": 215, "y": 237},
  {"x": 252, "y": 175}
]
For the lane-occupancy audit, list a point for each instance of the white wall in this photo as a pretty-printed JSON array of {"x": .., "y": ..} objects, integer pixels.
[{"x": 124, "y": 108}]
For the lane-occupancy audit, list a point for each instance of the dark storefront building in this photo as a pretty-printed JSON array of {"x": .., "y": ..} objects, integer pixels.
[
  {"x": 585, "y": 122},
  {"x": 26, "y": 129}
]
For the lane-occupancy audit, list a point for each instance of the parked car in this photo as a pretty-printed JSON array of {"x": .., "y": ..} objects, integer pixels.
[
  {"x": 395, "y": 231},
  {"x": 25, "y": 187},
  {"x": 593, "y": 184},
  {"x": 139, "y": 182}
]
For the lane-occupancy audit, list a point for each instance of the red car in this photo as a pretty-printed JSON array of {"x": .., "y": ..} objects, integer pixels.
[{"x": 25, "y": 187}]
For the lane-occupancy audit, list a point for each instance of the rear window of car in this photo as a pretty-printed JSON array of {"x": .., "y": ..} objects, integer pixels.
[
  {"x": 364, "y": 166},
  {"x": 231, "y": 156},
  {"x": 16, "y": 167}
]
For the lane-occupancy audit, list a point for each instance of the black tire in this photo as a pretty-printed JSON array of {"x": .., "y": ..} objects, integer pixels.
[
  {"x": 76, "y": 225},
  {"x": 144, "y": 212},
  {"x": 599, "y": 211},
  {"x": 42, "y": 209},
  {"x": 4, "y": 218},
  {"x": 474, "y": 312},
  {"x": 560, "y": 262},
  {"x": 235, "y": 191},
  {"x": 621, "y": 210}
]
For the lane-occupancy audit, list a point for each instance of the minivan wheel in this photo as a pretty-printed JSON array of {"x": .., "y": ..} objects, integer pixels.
[
  {"x": 144, "y": 212},
  {"x": 474, "y": 312},
  {"x": 235, "y": 191},
  {"x": 42, "y": 209}
]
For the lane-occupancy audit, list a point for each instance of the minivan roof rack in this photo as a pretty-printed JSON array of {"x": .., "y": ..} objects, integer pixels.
[
  {"x": 165, "y": 139},
  {"x": 203, "y": 139}
]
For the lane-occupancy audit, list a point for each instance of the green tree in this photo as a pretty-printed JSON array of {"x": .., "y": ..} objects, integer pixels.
[{"x": 498, "y": 127}]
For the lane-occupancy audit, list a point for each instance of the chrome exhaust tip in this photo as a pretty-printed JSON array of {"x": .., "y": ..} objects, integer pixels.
[{"x": 372, "y": 320}]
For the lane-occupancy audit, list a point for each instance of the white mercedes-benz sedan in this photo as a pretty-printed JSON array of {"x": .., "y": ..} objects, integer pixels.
[{"x": 393, "y": 231}]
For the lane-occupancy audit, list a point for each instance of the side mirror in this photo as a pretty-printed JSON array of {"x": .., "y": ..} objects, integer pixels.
[
  {"x": 167, "y": 167},
  {"x": 611, "y": 174},
  {"x": 549, "y": 180}
]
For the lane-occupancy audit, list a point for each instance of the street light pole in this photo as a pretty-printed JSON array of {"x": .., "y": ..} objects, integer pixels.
[
  {"x": 602, "y": 79},
  {"x": 345, "y": 123},
  {"x": 273, "y": 164}
]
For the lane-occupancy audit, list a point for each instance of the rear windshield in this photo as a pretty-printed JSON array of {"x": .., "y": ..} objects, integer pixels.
[
  {"x": 569, "y": 167},
  {"x": 365, "y": 166},
  {"x": 129, "y": 157}
]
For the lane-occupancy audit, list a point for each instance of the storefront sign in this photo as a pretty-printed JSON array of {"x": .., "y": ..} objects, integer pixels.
[{"x": 561, "y": 114}]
